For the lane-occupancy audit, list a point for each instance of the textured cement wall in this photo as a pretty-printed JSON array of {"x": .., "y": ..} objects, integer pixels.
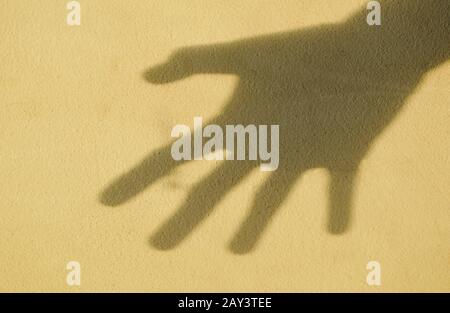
[{"x": 364, "y": 145}]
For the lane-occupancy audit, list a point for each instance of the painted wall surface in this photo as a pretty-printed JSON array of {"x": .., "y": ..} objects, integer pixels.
[{"x": 364, "y": 118}]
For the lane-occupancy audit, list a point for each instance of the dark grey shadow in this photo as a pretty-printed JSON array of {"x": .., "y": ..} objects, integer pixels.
[{"x": 332, "y": 89}]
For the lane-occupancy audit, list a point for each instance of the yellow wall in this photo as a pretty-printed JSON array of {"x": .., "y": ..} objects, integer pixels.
[{"x": 76, "y": 113}]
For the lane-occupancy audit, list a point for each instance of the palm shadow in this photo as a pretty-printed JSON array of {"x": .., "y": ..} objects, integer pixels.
[{"x": 332, "y": 89}]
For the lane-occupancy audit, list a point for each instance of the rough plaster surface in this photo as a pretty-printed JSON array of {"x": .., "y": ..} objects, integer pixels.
[{"x": 76, "y": 113}]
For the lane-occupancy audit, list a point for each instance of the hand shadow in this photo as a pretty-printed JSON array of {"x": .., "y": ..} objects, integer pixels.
[{"x": 332, "y": 89}]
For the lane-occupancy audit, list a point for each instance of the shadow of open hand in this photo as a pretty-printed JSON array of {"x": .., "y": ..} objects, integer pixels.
[{"x": 332, "y": 89}]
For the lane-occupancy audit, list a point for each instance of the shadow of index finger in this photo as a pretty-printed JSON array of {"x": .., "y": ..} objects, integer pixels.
[{"x": 136, "y": 180}]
